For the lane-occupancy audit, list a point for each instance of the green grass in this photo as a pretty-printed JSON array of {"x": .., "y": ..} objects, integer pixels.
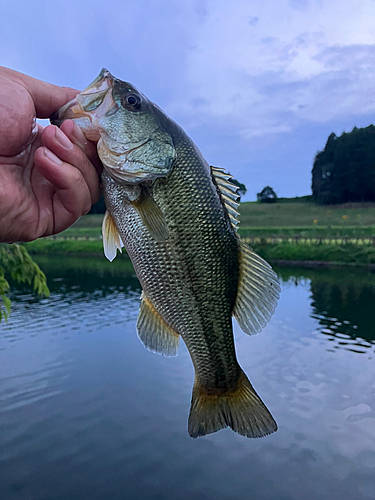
[
  {"x": 287, "y": 215},
  {"x": 277, "y": 218},
  {"x": 259, "y": 222},
  {"x": 309, "y": 232},
  {"x": 65, "y": 246},
  {"x": 89, "y": 221},
  {"x": 343, "y": 254}
]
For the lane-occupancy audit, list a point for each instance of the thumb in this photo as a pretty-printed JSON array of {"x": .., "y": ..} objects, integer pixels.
[{"x": 47, "y": 98}]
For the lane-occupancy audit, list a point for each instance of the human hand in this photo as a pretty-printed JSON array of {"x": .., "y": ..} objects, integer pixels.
[{"x": 49, "y": 177}]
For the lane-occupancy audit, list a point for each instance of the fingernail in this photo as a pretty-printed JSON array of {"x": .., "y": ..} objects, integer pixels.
[
  {"x": 79, "y": 136},
  {"x": 48, "y": 154},
  {"x": 62, "y": 139}
]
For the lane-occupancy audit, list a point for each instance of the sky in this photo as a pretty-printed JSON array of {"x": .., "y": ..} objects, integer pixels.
[{"x": 257, "y": 85}]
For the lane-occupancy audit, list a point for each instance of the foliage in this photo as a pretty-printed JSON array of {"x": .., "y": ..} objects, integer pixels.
[
  {"x": 16, "y": 262},
  {"x": 241, "y": 187},
  {"x": 267, "y": 195},
  {"x": 345, "y": 170}
]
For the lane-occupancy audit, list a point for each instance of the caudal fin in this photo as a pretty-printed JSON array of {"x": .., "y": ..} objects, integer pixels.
[{"x": 241, "y": 410}]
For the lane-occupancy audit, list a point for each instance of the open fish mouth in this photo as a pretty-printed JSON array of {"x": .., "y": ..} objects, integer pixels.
[{"x": 81, "y": 107}]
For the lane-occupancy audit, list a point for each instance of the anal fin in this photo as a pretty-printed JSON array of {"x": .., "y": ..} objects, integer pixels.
[{"x": 154, "y": 332}]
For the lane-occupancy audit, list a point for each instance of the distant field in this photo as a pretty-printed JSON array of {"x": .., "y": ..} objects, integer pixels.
[
  {"x": 253, "y": 214},
  {"x": 281, "y": 231},
  {"x": 277, "y": 219}
]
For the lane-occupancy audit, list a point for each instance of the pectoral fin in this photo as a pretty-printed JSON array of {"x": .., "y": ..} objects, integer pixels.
[
  {"x": 154, "y": 332},
  {"x": 258, "y": 292},
  {"x": 151, "y": 215},
  {"x": 111, "y": 237}
]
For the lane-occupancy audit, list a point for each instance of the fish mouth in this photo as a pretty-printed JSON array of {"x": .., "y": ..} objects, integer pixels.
[{"x": 86, "y": 101}]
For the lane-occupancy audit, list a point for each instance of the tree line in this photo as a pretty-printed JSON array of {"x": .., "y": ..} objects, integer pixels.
[{"x": 344, "y": 171}]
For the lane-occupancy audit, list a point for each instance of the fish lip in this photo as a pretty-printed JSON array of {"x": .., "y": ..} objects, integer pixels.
[
  {"x": 72, "y": 109},
  {"x": 103, "y": 81},
  {"x": 64, "y": 113}
]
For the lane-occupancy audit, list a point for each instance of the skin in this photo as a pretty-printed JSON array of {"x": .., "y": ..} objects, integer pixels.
[{"x": 49, "y": 177}]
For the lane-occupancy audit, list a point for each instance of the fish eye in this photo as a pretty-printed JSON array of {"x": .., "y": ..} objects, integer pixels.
[{"x": 131, "y": 101}]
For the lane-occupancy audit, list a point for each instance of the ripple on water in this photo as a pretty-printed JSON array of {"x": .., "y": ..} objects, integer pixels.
[{"x": 61, "y": 313}]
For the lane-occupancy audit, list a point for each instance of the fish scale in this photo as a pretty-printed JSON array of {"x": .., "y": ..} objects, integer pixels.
[{"x": 193, "y": 272}]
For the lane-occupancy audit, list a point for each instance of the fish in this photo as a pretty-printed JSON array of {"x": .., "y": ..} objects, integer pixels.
[{"x": 177, "y": 218}]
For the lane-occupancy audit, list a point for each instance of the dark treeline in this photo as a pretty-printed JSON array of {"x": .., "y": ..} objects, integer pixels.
[{"x": 345, "y": 170}]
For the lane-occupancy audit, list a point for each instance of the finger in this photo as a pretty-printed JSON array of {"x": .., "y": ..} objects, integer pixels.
[
  {"x": 47, "y": 98},
  {"x": 56, "y": 141},
  {"x": 72, "y": 197},
  {"x": 75, "y": 134}
]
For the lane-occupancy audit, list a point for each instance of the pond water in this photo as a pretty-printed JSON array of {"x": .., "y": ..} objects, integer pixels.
[{"x": 86, "y": 412}]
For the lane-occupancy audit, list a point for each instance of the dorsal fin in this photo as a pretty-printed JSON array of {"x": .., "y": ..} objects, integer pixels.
[{"x": 229, "y": 193}]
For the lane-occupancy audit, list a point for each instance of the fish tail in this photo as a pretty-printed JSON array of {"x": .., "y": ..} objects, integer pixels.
[{"x": 242, "y": 410}]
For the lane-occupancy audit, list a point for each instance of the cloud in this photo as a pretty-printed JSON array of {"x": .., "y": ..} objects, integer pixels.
[{"x": 255, "y": 65}]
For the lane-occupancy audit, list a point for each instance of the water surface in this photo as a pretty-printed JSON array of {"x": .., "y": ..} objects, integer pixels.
[{"x": 86, "y": 412}]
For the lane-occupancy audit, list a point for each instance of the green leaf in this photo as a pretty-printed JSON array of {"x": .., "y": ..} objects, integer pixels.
[{"x": 16, "y": 262}]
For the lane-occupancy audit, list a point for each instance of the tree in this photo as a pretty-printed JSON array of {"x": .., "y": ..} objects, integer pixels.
[
  {"x": 344, "y": 171},
  {"x": 267, "y": 195},
  {"x": 15, "y": 261},
  {"x": 241, "y": 187}
]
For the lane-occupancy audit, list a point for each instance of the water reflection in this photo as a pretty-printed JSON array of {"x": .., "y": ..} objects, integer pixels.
[
  {"x": 80, "y": 397},
  {"x": 342, "y": 302},
  {"x": 85, "y": 293}
]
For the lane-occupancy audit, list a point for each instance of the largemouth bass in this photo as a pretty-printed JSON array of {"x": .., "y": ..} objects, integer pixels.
[{"x": 176, "y": 217}]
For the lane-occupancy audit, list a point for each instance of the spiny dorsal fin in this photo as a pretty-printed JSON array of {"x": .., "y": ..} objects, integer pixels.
[
  {"x": 154, "y": 332},
  {"x": 258, "y": 292},
  {"x": 111, "y": 237},
  {"x": 229, "y": 193},
  {"x": 151, "y": 215}
]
